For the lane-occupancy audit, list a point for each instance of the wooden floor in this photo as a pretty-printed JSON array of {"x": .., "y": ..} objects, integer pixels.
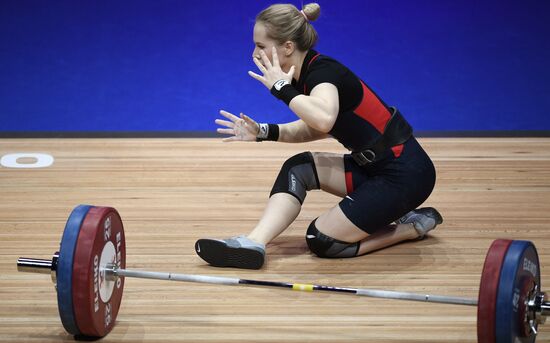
[{"x": 171, "y": 192}]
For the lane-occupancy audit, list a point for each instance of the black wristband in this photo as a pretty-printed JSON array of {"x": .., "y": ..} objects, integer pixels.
[
  {"x": 268, "y": 132},
  {"x": 283, "y": 90}
]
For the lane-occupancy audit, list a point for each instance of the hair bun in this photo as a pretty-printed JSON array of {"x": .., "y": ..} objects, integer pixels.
[{"x": 312, "y": 11}]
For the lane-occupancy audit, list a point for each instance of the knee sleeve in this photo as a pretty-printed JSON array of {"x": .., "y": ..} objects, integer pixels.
[
  {"x": 328, "y": 247},
  {"x": 298, "y": 175}
]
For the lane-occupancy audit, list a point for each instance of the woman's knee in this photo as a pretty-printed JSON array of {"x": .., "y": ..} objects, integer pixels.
[
  {"x": 328, "y": 247},
  {"x": 297, "y": 176}
]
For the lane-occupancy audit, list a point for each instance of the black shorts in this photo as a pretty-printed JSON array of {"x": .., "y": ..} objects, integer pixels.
[{"x": 382, "y": 192}]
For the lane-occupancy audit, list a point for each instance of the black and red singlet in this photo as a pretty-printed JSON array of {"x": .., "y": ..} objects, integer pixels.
[
  {"x": 380, "y": 192},
  {"x": 362, "y": 114}
]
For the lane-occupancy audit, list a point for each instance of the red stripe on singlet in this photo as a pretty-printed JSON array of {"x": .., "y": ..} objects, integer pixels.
[
  {"x": 397, "y": 150},
  {"x": 349, "y": 182},
  {"x": 372, "y": 110}
]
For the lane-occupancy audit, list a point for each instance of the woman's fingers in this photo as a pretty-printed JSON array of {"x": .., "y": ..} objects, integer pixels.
[
  {"x": 225, "y": 123},
  {"x": 291, "y": 72},
  {"x": 257, "y": 77},
  {"x": 259, "y": 65},
  {"x": 226, "y": 131},
  {"x": 253, "y": 127},
  {"x": 229, "y": 116},
  {"x": 248, "y": 119},
  {"x": 254, "y": 75},
  {"x": 240, "y": 128},
  {"x": 275, "y": 57},
  {"x": 230, "y": 139},
  {"x": 265, "y": 60}
]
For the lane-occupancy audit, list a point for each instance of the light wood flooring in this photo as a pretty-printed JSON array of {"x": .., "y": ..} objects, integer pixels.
[{"x": 170, "y": 192}]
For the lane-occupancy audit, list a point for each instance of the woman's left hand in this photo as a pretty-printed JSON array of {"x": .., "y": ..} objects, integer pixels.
[
  {"x": 271, "y": 72},
  {"x": 241, "y": 129}
]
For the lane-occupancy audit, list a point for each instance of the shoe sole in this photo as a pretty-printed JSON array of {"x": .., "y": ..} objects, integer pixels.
[{"x": 218, "y": 254}]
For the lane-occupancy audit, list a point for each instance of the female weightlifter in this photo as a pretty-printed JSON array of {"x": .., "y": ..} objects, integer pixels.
[{"x": 383, "y": 179}]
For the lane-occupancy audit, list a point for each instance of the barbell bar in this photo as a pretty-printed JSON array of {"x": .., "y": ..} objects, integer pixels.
[{"x": 112, "y": 271}]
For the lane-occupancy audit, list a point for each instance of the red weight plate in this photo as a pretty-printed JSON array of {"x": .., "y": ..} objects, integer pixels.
[
  {"x": 488, "y": 289},
  {"x": 97, "y": 299}
]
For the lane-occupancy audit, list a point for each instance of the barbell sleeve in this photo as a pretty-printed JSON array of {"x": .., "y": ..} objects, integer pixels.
[
  {"x": 34, "y": 265},
  {"x": 37, "y": 265},
  {"x": 545, "y": 309}
]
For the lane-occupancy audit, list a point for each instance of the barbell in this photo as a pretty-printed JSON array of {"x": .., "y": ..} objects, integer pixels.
[{"x": 89, "y": 270}]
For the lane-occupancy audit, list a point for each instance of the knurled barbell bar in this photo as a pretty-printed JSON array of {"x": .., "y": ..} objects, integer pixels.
[{"x": 89, "y": 272}]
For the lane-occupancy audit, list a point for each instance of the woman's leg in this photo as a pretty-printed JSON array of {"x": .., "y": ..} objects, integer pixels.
[
  {"x": 297, "y": 176},
  {"x": 335, "y": 224},
  {"x": 283, "y": 208}
]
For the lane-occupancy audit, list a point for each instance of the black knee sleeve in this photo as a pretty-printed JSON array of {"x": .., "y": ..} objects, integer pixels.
[
  {"x": 328, "y": 247},
  {"x": 297, "y": 175}
]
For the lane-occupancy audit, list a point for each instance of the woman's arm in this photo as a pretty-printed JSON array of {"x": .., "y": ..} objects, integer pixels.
[
  {"x": 318, "y": 110},
  {"x": 244, "y": 128},
  {"x": 298, "y": 132}
]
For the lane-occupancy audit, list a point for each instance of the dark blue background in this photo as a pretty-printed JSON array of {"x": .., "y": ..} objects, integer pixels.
[{"x": 170, "y": 65}]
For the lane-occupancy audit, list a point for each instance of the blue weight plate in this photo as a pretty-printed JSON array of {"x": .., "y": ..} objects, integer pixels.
[
  {"x": 520, "y": 265},
  {"x": 65, "y": 268}
]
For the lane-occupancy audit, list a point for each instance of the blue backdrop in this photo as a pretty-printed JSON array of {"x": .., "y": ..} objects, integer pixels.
[{"x": 171, "y": 65}]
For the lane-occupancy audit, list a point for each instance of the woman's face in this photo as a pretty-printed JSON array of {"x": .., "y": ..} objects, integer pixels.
[{"x": 263, "y": 42}]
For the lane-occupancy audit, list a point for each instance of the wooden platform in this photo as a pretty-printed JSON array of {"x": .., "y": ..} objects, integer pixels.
[{"x": 171, "y": 192}]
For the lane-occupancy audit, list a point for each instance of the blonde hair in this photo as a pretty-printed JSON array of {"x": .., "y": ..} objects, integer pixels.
[{"x": 284, "y": 22}]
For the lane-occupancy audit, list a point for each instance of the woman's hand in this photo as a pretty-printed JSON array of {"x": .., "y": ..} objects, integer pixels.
[
  {"x": 271, "y": 72},
  {"x": 242, "y": 129}
]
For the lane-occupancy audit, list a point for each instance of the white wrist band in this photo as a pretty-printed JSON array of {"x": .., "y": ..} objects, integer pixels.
[{"x": 264, "y": 131}]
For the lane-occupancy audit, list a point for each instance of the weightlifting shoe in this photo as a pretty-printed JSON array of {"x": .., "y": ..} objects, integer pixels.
[
  {"x": 238, "y": 252},
  {"x": 423, "y": 219}
]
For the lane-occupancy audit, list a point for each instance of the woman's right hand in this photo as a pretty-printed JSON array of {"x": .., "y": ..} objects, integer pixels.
[{"x": 241, "y": 129}]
